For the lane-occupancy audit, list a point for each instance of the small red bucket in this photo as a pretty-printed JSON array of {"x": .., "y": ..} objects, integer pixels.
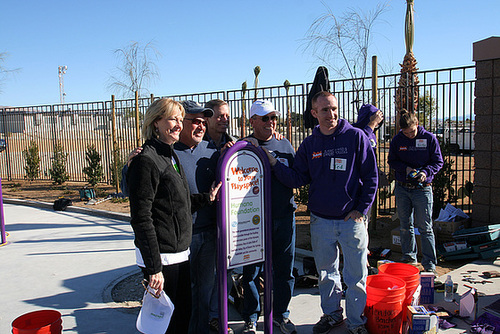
[
  {"x": 38, "y": 322},
  {"x": 406, "y": 272},
  {"x": 385, "y": 296}
]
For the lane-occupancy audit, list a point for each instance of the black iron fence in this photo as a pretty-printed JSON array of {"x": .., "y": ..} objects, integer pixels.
[{"x": 446, "y": 108}]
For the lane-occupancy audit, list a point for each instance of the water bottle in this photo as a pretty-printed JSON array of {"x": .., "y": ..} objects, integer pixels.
[{"x": 448, "y": 289}]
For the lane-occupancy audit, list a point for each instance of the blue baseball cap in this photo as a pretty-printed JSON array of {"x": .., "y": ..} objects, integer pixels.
[{"x": 192, "y": 107}]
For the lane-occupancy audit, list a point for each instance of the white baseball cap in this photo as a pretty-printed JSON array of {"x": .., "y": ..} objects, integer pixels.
[{"x": 262, "y": 108}]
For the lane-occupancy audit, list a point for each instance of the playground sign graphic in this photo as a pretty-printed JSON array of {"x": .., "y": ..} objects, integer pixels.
[{"x": 244, "y": 205}]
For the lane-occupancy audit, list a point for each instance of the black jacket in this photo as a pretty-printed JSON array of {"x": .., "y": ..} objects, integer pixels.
[{"x": 160, "y": 204}]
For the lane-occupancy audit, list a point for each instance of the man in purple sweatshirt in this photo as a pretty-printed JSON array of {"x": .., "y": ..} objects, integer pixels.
[
  {"x": 370, "y": 118},
  {"x": 339, "y": 164},
  {"x": 416, "y": 157}
]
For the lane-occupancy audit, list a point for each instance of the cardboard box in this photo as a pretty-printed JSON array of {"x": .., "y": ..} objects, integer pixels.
[
  {"x": 427, "y": 292},
  {"x": 420, "y": 321},
  {"x": 444, "y": 230},
  {"x": 454, "y": 246},
  {"x": 396, "y": 241}
]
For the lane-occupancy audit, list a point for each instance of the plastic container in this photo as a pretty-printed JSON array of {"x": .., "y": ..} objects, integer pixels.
[
  {"x": 448, "y": 289},
  {"x": 38, "y": 322},
  {"x": 385, "y": 296},
  {"x": 406, "y": 272}
]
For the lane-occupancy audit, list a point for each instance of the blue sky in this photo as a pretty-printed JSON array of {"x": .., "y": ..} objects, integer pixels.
[{"x": 211, "y": 45}]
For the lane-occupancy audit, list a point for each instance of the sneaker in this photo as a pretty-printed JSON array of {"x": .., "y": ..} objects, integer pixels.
[
  {"x": 284, "y": 325},
  {"x": 358, "y": 330},
  {"x": 250, "y": 327},
  {"x": 431, "y": 270},
  {"x": 326, "y": 323},
  {"x": 214, "y": 326},
  {"x": 409, "y": 260}
]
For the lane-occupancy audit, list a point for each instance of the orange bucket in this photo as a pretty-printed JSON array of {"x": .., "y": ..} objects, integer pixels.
[
  {"x": 406, "y": 272},
  {"x": 38, "y": 322},
  {"x": 385, "y": 296}
]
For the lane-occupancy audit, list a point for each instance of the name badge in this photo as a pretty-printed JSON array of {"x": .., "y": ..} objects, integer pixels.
[
  {"x": 338, "y": 164},
  {"x": 422, "y": 143}
]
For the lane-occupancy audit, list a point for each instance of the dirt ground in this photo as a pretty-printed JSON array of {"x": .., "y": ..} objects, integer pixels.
[{"x": 129, "y": 291}]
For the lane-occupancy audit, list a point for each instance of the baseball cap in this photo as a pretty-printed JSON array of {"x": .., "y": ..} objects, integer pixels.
[
  {"x": 262, "y": 108},
  {"x": 192, "y": 107}
]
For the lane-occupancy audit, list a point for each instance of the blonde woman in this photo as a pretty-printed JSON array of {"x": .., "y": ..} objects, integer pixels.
[{"x": 160, "y": 207}]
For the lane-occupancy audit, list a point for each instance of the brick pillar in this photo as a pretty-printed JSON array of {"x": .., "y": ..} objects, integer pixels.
[{"x": 486, "y": 197}]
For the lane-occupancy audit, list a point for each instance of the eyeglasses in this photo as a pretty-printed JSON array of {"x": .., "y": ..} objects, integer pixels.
[
  {"x": 197, "y": 121},
  {"x": 267, "y": 118}
]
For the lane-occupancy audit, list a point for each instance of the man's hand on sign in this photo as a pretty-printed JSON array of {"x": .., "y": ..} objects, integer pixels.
[
  {"x": 272, "y": 160},
  {"x": 255, "y": 142},
  {"x": 214, "y": 190},
  {"x": 252, "y": 141},
  {"x": 228, "y": 145}
]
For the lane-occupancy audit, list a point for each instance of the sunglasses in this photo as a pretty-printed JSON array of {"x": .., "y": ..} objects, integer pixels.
[
  {"x": 197, "y": 121},
  {"x": 267, "y": 118}
]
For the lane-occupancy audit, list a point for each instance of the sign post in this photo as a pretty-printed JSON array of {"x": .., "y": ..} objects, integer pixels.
[
  {"x": 2, "y": 220},
  {"x": 244, "y": 221}
]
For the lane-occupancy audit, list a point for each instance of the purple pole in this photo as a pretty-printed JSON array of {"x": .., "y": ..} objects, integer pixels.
[
  {"x": 222, "y": 241},
  {"x": 2, "y": 221},
  {"x": 222, "y": 250}
]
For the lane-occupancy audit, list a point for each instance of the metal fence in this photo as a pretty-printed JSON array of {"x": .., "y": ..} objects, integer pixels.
[{"x": 448, "y": 112}]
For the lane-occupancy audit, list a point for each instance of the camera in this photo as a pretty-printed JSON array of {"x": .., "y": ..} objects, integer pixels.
[{"x": 412, "y": 179}]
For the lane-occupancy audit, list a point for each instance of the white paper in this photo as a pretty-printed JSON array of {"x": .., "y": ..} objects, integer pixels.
[{"x": 449, "y": 213}]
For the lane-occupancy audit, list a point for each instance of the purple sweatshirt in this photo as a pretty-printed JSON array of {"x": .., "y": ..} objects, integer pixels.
[
  {"x": 422, "y": 153},
  {"x": 340, "y": 168},
  {"x": 365, "y": 112}
]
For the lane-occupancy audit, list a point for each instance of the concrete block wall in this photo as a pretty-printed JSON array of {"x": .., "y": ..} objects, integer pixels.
[{"x": 486, "y": 197}]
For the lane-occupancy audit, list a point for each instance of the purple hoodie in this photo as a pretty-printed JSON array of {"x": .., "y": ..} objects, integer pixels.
[
  {"x": 365, "y": 112},
  {"x": 341, "y": 169},
  {"x": 422, "y": 153}
]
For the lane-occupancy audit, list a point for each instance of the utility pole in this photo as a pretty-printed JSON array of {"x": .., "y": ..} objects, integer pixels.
[{"x": 62, "y": 71}]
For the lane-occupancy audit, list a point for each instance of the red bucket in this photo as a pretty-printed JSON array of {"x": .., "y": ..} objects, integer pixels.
[
  {"x": 38, "y": 322},
  {"x": 406, "y": 272},
  {"x": 385, "y": 296}
]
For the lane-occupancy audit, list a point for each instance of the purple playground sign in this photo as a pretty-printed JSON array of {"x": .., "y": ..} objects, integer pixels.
[
  {"x": 244, "y": 209},
  {"x": 244, "y": 220}
]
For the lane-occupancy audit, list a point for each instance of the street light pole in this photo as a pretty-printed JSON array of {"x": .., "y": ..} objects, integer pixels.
[{"x": 62, "y": 71}]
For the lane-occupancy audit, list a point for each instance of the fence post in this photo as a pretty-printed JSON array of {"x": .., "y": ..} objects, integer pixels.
[
  {"x": 137, "y": 132},
  {"x": 374, "y": 208},
  {"x": 288, "y": 114},
  {"x": 243, "y": 107},
  {"x": 115, "y": 144}
]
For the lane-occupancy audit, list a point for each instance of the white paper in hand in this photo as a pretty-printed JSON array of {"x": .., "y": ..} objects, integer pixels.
[{"x": 155, "y": 313}]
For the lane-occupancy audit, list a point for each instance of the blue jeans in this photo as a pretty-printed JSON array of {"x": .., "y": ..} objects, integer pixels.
[
  {"x": 326, "y": 237},
  {"x": 415, "y": 210},
  {"x": 203, "y": 280},
  {"x": 283, "y": 253}
]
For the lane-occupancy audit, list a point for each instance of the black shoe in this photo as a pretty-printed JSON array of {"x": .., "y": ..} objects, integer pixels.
[
  {"x": 326, "y": 323},
  {"x": 214, "y": 326}
]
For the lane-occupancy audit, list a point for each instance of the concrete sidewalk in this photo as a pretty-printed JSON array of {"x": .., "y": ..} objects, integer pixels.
[{"x": 70, "y": 261}]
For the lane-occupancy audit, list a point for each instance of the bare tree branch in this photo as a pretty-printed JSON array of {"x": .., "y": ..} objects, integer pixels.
[
  {"x": 4, "y": 71},
  {"x": 136, "y": 71},
  {"x": 342, "y": 42}
]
